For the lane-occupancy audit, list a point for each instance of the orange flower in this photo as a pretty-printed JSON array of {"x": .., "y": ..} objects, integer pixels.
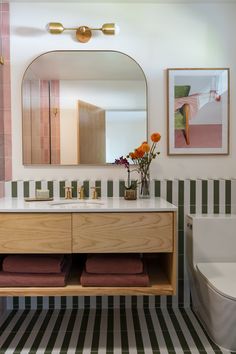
[
  {"x": 132, "y": 155},
  {"x": 145, "y": 147},
  {"x": 155, "y": 137},
  {"x": 139, "y": 152}
]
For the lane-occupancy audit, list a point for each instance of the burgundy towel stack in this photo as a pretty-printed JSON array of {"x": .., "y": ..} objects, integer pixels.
[
  {"x": 116, "y": 270},
  {"x": 35, "y": 270}
]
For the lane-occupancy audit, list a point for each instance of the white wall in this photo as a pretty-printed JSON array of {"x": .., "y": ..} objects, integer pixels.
[
  {"x": 157, "y": 36},
  {"x": 109, "y": 95},
  {"x": 125, "y": 130}
]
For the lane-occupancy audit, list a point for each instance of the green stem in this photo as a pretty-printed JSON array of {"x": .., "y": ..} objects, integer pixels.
[{"x": 128, "y": 177}]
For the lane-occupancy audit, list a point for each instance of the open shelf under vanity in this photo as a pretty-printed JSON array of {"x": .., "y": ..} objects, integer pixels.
[{"x": 159, "y": 277}]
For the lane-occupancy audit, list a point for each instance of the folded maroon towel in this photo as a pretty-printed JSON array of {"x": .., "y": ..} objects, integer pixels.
[
  {"x": 110, "y": 263},
  {"x": 118, "y": 280},
  {"x": 33, "y": 263},
  {"x": 1, "y": 260},
  {"x": 35, "y": 280}
]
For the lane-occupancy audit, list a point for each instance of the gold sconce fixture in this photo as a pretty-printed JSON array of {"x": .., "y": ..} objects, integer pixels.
[{"x": 83, "y": 33}]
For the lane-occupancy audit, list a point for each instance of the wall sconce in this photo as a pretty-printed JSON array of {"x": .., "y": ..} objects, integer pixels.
[{"x": 83, "y": 33}]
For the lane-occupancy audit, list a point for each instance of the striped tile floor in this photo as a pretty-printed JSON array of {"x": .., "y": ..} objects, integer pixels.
[{"x": 104, "y": 331}]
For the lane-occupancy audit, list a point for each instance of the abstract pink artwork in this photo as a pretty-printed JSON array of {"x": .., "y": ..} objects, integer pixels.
[{"x": 198, "y": 111}]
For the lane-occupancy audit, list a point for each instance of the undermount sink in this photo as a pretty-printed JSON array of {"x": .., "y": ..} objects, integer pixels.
[{"x": 76, "y": 201}]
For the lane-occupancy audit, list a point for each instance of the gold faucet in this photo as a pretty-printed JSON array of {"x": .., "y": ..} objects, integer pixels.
[
  {"x": 68, "y": 192},
  {"x": 80, "y": 193},
  {"x": 95, "y": 193}
]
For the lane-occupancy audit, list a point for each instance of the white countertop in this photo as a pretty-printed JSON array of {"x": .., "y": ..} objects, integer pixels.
[
  {"x": 17, "y": 205},
  {"x": 211, "y": 216}
]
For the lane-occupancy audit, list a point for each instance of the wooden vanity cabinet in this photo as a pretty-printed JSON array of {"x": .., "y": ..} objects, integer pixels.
[
  {"x": 35, "y": 233},
  {"x": 122, "y": 232},
  {"x": 150, "y": 233}
]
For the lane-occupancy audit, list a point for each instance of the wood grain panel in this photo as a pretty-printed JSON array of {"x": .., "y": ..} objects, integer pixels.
[
  {"x": 91, "y": 134},
  {"x": 122, "y": 232},
  {"x": 171, "y": 259},
  {"x": 35, "y": 233}
]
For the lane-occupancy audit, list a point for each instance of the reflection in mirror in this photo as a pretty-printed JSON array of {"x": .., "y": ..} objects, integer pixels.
[{"x": 82, "y": 107}]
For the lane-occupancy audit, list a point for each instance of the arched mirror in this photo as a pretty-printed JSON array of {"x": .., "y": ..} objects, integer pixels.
[{"x": 82, "y": 107}]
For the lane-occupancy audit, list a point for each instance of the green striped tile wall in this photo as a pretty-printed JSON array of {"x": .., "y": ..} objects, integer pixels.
[{"x": 191, "y": 196}]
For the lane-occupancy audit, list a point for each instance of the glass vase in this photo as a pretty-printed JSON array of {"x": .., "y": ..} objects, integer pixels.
[{"x": 144, "y": 192}]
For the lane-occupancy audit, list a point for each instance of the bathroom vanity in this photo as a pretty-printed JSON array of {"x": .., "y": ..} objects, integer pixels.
[{"x": 111, "y": 225}]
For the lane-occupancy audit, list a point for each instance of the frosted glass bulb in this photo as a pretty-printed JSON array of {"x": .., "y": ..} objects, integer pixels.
[{"x": 117, "y": 29}]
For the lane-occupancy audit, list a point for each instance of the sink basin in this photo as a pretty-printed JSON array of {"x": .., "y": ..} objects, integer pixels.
[{"x": 76, "y": 201}]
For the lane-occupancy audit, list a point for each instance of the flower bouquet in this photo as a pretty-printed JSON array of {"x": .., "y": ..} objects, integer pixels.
[{"x": 141, "y": 157}]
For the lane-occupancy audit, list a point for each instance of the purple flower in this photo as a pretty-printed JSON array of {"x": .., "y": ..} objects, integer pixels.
[{"x": 122, "y": 161}]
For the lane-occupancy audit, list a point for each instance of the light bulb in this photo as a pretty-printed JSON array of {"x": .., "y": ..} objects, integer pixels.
[{"x": 117, "y": 29}]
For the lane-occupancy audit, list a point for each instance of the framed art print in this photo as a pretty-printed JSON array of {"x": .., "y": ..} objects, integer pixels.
[{"x": 198, "y": 111}]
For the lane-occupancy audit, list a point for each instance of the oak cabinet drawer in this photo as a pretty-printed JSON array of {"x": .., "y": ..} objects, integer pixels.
[
  {"x": 35, "y": 233},
  {"x": 122, "y": 232}
]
